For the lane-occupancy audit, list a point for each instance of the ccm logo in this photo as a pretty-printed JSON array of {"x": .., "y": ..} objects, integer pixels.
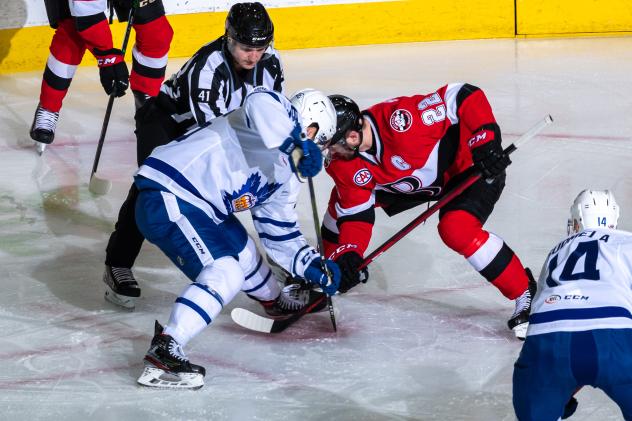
[
  {"x": 197, "y": 244},
  {"x": 478, "y": 138},
  {"x": 109, "y": 60}
]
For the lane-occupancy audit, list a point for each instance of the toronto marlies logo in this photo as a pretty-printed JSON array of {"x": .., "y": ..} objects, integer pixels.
[
  {"x": 361, "y": 177},
  {"x": 251, "y": 194},
  {"x": 401, "y": 120}
]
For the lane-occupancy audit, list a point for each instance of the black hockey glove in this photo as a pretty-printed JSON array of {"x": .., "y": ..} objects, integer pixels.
[
  {"x": 349, "y": 263},
  {"x": 490, "y": 159},
  {"x": 113, "y": 71}
]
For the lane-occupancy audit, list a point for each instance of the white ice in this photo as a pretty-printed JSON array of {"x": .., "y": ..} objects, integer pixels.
[{"x": 425, "y": 339}]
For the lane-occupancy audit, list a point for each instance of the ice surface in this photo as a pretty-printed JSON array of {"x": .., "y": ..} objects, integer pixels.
[{"x": 425, "y": 339}]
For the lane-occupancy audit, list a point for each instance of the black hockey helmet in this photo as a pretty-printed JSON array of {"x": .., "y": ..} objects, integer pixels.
[
  {"x": 348, "y": 116},
  {"x": 249, "y": 24}
]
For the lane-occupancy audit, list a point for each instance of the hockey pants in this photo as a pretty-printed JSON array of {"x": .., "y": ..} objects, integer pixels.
[
  {"x": 552, "y": 366},
  {"x": 220, "y": 259}
]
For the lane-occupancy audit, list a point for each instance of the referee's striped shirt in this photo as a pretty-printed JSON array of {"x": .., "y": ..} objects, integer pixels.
[{"x": 207, "y": 86}]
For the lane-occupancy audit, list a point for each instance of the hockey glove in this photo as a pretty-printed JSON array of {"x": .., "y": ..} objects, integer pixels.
[
  {"x": 113, "y": 71},
  {"x": 305, "y": 157},
  {"x": 350, "y": 275},
  {"x": 490, "y": 159},
  {"x": 314, "y": 274}
]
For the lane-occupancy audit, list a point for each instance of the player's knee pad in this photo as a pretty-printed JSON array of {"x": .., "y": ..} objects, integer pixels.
[
  {"x": 249, "y": 256},
  {"x": 259, "y": 282},
  {"x": 200, "y": 302},
  {"x": 224, "y": 276},
  {"x": 462, "y": 232}
]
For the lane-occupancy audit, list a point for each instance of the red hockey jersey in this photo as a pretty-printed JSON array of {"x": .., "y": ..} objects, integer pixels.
[{"x": 419, "y": 143}]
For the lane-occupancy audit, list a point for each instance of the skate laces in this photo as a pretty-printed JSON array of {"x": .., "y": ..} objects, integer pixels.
[
  {"x": 122, "y": 275},
  {"x": 292, "y": 297},
  {"x": 175, "y": 351},
  {"x": 523, "y": 303},
  {"x": 46, "y": 120}
]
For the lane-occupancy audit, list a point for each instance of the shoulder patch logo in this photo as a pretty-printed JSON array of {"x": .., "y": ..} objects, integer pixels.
[
  {"x": 362, "y": 177},
  {"x": 401, "y": 120},
  {"x": 398, "y": 162}
]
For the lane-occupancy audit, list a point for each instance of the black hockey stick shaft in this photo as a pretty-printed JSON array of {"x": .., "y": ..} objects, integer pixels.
[
  {"x": 108, "y": 110},
  {"x": 321, "y": 248},
  {"x": 449, "y": 196}
]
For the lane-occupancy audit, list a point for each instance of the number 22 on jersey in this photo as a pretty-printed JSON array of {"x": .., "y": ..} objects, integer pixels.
[{"x": 432, "y": 113}]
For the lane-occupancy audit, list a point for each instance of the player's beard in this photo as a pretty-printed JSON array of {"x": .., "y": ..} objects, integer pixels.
[{"x": 343, "y": 151}]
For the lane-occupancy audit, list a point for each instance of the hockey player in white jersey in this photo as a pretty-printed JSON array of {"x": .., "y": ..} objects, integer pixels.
[
  {"x": 580, "y": 328},
  {"x": 189, "y": 192}
]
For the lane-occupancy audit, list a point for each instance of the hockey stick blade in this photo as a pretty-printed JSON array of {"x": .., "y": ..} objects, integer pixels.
[
  {"x": 252, "y": 321},
  {"x": 99, "y": 186}
]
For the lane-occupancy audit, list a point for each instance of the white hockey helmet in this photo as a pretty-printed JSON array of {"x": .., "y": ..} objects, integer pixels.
[
  {"x": 315, "y": 108},
  {"x": 593, "y": 209}
]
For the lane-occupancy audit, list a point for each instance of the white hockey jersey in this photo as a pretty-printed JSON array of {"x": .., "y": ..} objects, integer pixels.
[
  {"x": 233, "y": 164},
  {"x": 585, "y": 284}
]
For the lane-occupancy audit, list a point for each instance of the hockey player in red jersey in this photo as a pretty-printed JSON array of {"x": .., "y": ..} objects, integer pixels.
[
  {"x": 411, "y": 150},
  {"x": 81, "y": 25}
]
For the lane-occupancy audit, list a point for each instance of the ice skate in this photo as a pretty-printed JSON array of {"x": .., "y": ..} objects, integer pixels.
[
  {"x": 121, "y": 287},
  {"x": 293, "y": 298},
  {"x": 519, "y": 321},
  {"x": 167, "y": 367},
  {"x": 43, "y": 128}
]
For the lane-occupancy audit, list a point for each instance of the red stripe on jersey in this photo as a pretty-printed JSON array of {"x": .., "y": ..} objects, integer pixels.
[
  {"x": 475, "y": 112},
  {"x": 355, "y": 232}
]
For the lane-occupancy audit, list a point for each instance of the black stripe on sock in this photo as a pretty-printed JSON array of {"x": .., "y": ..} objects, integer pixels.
[{"x": 498, "y": 264}]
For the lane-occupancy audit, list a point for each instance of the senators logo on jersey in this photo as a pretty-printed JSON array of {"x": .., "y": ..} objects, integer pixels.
[{"x": 401, "y": 120}]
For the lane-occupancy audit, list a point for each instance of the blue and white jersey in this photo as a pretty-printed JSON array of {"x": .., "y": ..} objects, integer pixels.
[
  {"x": 233, "y": 164},
  {"x": 585, "y": 284}
]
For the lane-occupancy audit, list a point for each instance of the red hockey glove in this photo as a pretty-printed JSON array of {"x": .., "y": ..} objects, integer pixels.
[{"x": 113, "y": 71}]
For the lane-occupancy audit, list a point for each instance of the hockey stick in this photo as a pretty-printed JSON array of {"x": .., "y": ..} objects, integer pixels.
[
  {"x": 321, "y": 248},
  {"x": 450, "y": 195},
  {"x": 249, "y": 320},
  {"x": 97, "y": 185}
]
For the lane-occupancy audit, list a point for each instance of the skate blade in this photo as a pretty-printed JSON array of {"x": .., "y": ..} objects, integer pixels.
[
  {"x": 124, "y": 301},
  {"x": 521, "y": 331},
  {"x": 155, "y": 377},
  {"x": 40, "y": 147}
]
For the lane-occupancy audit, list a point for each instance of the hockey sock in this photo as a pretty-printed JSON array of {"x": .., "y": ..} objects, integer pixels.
[
  {"x": 149, "y": 55},
  {"x": 66, "y": 51},
  {"x": 199, "y": 303},
  {"x": 485, "y": 251}
]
